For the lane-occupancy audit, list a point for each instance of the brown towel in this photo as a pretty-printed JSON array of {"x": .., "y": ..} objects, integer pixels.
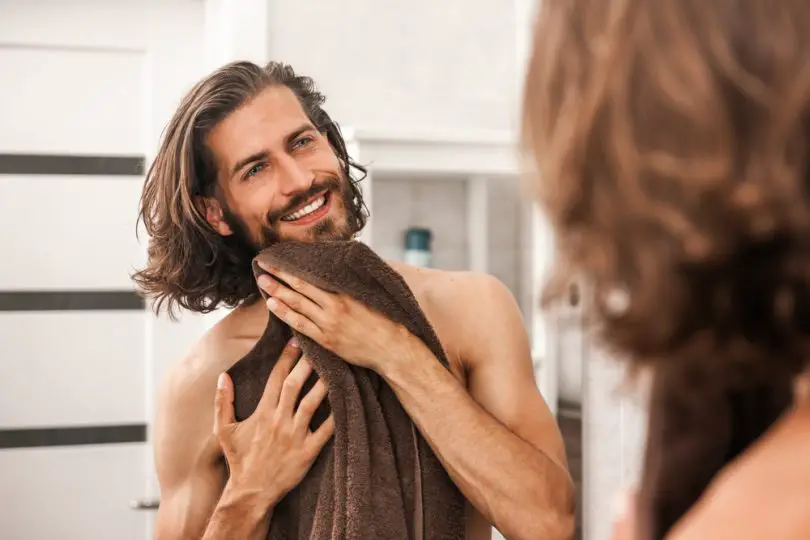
[{"x": 377, "y": 478}]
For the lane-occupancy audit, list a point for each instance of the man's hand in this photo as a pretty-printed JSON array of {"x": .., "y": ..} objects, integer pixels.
[
  {"x": 356, "y": 333},
  {"x": 270, "y": 452}
]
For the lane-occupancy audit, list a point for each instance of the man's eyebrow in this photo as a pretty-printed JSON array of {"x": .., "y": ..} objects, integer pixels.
[
  {"x": 261, "y": 155},
  {"x": 298, "y": 131}
]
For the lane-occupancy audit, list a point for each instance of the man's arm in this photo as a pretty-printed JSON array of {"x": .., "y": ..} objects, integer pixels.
[
  {"x": 190, "y": 471},
  {"x": 499, "y": 442},
  {"x": 239, "y": 514},
  {"x": 197, "y": 500}
]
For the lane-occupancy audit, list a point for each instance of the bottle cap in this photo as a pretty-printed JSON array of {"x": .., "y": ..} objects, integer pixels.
[{"x": 418, "y": 238}]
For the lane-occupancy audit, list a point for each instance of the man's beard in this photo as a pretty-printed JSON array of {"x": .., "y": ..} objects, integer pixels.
[{"x": 325, "y": 229}]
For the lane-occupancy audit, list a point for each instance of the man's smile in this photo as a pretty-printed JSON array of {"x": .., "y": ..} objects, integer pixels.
[{"x": 310, "y": 211}]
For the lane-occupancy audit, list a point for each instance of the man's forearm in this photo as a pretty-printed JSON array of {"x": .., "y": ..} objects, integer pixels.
[
  {"x": 521, "y": 490},
  {"x": 239, "y": 514}
]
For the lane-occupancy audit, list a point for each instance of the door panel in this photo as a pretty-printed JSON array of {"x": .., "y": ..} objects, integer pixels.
[
  {"x": 87, "y": 88},
  {"x": 74, "y": 493},
  {"x": 72, "y": 368},
  {"x": 57, "y": 99}
]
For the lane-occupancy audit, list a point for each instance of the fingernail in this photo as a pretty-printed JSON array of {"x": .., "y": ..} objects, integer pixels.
[
  {"x": 272, "y": 303},
  {"x": 294, "y": 342},
  {"x": 263, "y": 280},
  {"x": 221, "y": 382}
]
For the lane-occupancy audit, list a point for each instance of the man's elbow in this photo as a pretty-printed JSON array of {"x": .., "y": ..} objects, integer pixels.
[
  {"x": 557, "y": 520},
  {"x": 563, "y": 517},
  {"x": 551, "y": 524},
  {"x": 560, "y": 526},
  {"x": 545, "y": 524}
]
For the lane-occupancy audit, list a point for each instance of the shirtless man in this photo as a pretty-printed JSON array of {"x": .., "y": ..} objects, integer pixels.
[{"x": 249, "y": 158}]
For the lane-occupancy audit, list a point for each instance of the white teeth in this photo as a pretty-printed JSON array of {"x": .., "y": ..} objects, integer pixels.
[{"x": 308, "y": 209}]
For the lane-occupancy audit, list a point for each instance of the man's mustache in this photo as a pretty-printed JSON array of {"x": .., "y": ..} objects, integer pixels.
[{"x": 328, "y": 184}]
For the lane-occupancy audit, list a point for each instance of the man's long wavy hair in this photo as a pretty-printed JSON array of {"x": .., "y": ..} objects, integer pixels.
[
  {"x": 671, "y": 144},
  {"x": 189, "y": 264}
]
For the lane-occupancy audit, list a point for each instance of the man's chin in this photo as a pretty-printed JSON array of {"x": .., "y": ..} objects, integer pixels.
[{"x": 326, "y": 229}]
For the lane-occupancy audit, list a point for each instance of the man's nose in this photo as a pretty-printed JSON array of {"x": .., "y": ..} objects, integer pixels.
[{"x": 295, "y": 177}]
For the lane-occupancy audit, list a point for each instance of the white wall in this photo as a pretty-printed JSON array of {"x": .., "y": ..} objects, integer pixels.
[{"x": 404, "y": 66}]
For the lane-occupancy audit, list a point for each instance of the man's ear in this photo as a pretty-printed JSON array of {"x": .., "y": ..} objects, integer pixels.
[{"x": 214, "y": 215}]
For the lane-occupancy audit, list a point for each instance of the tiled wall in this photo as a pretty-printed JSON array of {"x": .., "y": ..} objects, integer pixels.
[
  {"x": 510, "y": 240},
  {"x": 441, "y": 206}
]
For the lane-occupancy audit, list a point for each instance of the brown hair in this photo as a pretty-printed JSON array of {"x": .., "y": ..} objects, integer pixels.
[
  {"x": 671, "y": 144},
  {"x": 189, "y": 264}
]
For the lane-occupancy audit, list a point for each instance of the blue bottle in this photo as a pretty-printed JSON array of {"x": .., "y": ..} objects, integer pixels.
[{"x": 417, "y": 247}]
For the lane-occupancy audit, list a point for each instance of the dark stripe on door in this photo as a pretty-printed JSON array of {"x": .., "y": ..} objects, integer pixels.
[
  {"x": 72, "y": 436},
  {"x": 70, "y": 300},
  {"x": 72, "y": 165}
]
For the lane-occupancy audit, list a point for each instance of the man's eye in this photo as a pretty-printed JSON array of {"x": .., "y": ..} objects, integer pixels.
[
  {"x": 256, "y": 169},
  {"x": 303, "y": 141}
]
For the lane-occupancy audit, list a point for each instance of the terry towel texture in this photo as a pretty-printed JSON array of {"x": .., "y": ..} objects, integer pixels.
[{"x": 377, "y": 478}]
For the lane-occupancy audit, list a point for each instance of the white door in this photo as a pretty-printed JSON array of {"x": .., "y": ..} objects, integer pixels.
[{"x": 85, "y": 89}]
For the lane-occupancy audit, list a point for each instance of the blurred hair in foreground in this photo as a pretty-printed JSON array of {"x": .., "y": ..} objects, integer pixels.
[{"x": 670, "y": 139}]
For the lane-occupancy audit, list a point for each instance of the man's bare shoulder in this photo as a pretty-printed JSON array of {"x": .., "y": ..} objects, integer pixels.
[
  {"x": 455, "y": 291},
  {"x": 216, "y": 351},
  {"x": 477, "y": 303},
  {"x": 763, "y": 494},
  {"x": 466, "y": 308}
]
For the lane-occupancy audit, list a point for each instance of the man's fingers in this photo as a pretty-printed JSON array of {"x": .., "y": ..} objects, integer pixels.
[
  {"x": 318, "y": 296},
  {"x": 292, "y": 386},
  {"x": 320, "y": 436},
  {"x": 224, "y": 414},
  {"x": 294, "y": 319},
  {"x": 284, "y": 364},
  {"x": 308, "y": 406},
  {"x": 289, "y": 297}
]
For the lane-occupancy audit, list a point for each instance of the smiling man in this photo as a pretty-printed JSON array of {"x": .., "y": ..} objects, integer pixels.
[{"x": 251, "y": 158}]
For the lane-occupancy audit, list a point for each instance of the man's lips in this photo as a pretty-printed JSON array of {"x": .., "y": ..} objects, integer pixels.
[{"x": 302, "y": 214}]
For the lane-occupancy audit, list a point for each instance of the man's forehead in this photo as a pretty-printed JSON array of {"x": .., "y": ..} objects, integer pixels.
[
  {"x": 278, "y": 100},
  {"x": 264, "y": 121},
  {"x": 276, "y": 108}
]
